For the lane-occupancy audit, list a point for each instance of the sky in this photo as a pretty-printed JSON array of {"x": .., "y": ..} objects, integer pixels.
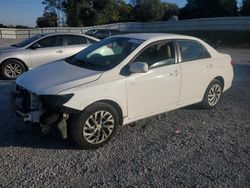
[{"x": 25, "y": 12}]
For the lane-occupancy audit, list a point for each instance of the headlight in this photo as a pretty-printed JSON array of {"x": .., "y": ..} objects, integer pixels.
[{"x": 55, "y": 100}]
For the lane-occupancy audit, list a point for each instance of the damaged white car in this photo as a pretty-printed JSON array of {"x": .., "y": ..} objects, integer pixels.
[{"x": 120, "y": 80}]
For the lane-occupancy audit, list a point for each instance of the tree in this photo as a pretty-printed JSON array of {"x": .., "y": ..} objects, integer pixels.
[
  {"x": 209, "y": 8},
  {"x": 3, "y": 26},
  {"x": 148, "y": 10},
  {"x": 106, "y": 11},
  {"x": 47, "y": 20},
  {"x": 245, "y": 8},
  {"x": 21, "y": 27},
  {"x": 170, "y": 9},
  {"x": 125, "y": 12},
  {"x": 55, "y": 7}
]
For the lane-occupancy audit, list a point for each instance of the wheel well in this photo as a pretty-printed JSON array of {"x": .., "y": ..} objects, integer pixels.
[
  {"x": 221, "y": 80},
  {"x": 26, "y": 67},
  {"x": 116, "y": 106}
]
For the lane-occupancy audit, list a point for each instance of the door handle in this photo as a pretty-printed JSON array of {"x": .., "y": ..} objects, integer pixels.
[
  {"x": 59, "y": 51},
  {"x": 175, "y": 73}
]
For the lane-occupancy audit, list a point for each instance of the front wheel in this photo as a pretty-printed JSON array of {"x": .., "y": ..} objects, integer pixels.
[
  {"x": 95, "y": 126},
  {"x": 11, "y": 69},
  {"x": 212, "y": 95}
]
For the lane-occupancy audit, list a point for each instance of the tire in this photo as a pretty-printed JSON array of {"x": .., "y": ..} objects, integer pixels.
[
  {"x": 11, "y": 69},
  {"x": 86, "y": 127},
  {"x": 212, "y": 95}
]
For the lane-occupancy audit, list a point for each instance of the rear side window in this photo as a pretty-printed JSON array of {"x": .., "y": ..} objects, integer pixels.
[
  {"x": 76, "y": 40},
  {"x": 52, "y": 41},
  {"x": 192, "y": 50}
]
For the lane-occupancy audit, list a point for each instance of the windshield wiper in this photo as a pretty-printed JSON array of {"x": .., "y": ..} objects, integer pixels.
[{"x": 14, "y": 45}]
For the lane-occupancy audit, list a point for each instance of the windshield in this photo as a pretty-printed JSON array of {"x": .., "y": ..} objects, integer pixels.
[
  {"x": 106, "y": 54},
  {"x": 27, "y": 41}
]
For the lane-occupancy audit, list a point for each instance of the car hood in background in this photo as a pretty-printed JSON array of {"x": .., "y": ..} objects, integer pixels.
[
  {"x": 9, "y": 49},
  {"x": 55, "y": 77}
]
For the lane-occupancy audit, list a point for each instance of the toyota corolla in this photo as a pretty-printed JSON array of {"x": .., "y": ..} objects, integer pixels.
[{"x": 120, "y": 80}]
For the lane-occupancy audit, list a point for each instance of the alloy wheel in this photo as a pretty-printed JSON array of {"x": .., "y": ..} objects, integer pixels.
[
  {"x": 214, "y": 94},
  {"x": 13, "y": 70},
  {"x": 98, "y": 127}
]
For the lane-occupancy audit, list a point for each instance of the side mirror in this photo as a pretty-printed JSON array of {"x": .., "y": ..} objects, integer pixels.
[
  {"x": 138, "y": 67},
  {"x": 35, "y": 46}
]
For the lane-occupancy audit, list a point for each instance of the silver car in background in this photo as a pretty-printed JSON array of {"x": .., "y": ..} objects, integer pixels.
[{"x": 40, "y": 49}]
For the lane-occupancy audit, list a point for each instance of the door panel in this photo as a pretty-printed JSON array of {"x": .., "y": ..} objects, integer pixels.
[
  {"x": 45, "y": 55},
  {"x": 74, "y": 44},
  {"x": 153, "y": 91},
  {"x": 73, "y": 49},
  {"x": 50, "y": 49},
  {"x": 196, "y": 76},
  {"x": 197, "y": 71}
]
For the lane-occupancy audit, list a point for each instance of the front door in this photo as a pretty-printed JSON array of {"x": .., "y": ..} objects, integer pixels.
[
  {"x": 51, "y": 49},
  {"x": 158, "y": 89}
]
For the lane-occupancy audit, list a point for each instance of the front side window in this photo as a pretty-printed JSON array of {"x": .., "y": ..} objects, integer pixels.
[
  {"x": 52, "y": 41},
  {"x": 192, "y": 50},
  {"x": 158, "y": 55},
  {"x": 106, "y": 54},
  {"x": 76, "y": 40},
  {"x": 28, "y": 41}
]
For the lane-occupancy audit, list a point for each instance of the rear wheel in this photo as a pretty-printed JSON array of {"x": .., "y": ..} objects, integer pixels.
[
  {"x": 95, "y": 126},
  {"x": 12, "y": 68},
  {"x": 212, "y": 95}
]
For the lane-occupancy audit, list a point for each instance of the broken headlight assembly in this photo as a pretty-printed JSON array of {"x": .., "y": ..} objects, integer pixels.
[{"x": 55, "y": 100}]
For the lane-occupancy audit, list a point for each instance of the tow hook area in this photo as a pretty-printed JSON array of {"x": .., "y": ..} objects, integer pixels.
[{"x": 50, "y": 119}]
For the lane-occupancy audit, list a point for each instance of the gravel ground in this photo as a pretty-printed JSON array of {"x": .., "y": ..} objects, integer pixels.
[{"x": 211, "y": 150}]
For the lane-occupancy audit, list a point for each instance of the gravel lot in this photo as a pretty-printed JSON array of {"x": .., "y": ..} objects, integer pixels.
[{"x": 211, "y": 150}]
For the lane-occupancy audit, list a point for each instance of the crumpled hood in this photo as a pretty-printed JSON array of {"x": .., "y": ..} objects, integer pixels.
[
  {"x": 9, "y": 49},
  {"x": 55, "y": 77}
]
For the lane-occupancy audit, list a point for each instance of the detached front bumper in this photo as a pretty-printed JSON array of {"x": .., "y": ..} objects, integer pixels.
[{"x": 48, "y": 118}]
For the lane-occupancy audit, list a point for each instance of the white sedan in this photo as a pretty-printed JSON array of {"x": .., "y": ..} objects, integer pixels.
[{"x": 120, "y": 80}]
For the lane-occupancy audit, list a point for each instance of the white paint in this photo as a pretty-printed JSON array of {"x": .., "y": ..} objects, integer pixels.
[{"x": 139, "y": 95}]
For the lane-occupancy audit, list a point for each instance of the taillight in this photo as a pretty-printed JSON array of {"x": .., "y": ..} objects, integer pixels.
[{"x": 232, "y": 62}]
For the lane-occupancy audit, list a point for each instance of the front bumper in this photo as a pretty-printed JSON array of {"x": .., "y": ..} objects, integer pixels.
[{"x": 47, "y": 118}]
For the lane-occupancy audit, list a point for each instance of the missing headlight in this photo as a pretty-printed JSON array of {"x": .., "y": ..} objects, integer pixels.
[{"x": 55, "y": 100}]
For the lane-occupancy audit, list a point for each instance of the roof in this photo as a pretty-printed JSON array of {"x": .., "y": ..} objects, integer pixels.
[
  {"x": 66, "y": 33},
  {"x": 151, "y": 36}
]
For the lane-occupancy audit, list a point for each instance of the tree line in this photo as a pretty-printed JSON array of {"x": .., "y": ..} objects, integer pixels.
[{"x": 94, "y": 12}]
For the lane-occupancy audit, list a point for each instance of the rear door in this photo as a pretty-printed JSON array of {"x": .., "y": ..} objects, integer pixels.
[
  {"x": 51, "y": 49},
  {"x": 74, "y": 44},
  {"x": 197, "y": 70}
]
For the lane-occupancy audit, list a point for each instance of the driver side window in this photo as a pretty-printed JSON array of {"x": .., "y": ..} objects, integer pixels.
[
  {"x": 51, "y": 41},
  {"x": 158, "y": 55}
]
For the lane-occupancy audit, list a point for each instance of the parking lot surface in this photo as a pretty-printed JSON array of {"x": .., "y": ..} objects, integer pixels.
[{"x": 210, "y": 148}]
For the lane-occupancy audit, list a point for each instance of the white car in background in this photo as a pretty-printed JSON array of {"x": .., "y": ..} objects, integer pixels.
[
  {"x": 140, "y": 75},
  {"x": 40, "y": 49}
]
